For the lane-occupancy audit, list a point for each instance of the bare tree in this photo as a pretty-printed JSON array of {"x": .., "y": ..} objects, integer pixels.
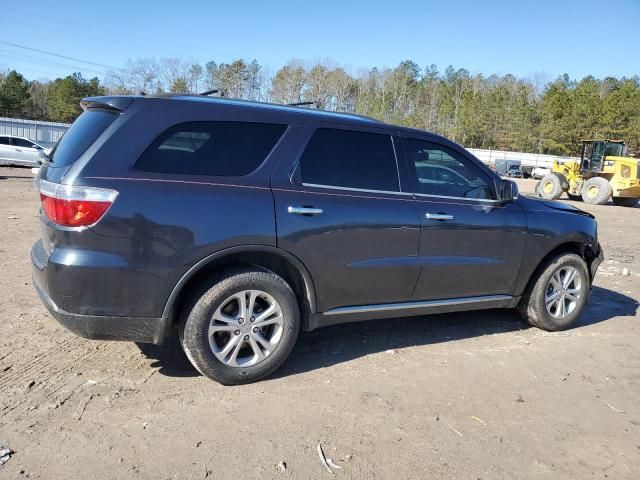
[
  {"x": 318, "y": 86},
  {"x": 3, "y": 77},
  {"x": 343, "y": 90},
  {"x": 140, "y": 75},
  {"x": 39, "y": 98},
  {"x": 288, "y": 83},
  {"x": 253, "y": 81},
  {"x": 195, "y": 75},
  {"x": 175, "y": 73}
]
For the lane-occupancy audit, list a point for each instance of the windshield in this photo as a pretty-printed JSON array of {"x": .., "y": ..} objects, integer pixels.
[{"x": 80, "y": 136}]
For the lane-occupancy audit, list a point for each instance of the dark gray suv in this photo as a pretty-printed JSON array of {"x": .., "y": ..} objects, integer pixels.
[{"x": 241, "y": 223}]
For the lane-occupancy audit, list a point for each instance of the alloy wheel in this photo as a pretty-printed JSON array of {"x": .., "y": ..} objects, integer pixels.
[
  {"x": 563, "y": 292},
  {"x": 246, "y": 328}
]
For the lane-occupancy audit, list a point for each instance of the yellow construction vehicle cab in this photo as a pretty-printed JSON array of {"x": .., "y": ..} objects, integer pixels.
[{"x": 602, "y": 172}]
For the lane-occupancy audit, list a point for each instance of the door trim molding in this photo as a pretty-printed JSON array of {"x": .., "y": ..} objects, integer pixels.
[
  {"x": 385, "y": 307},
  {"x": 352, "y": 189}
]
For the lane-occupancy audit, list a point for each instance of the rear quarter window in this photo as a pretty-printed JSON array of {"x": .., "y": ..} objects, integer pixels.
[
  {"x": 81, "y": 135},
  {"x": 211, "y": 148}
]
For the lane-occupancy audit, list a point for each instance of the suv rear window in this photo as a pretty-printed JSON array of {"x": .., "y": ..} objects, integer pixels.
[
  {"x": 211, "y": 148},
  {"x": 349, "y": 159},
  {"x": 81, "y": 135}
]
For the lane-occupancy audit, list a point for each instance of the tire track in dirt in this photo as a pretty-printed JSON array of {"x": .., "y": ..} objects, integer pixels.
[
  {"x": 52, "y": 373},
  {"x": 39, "y": 361}
]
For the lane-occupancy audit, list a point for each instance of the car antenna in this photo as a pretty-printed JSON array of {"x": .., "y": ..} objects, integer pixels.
[{"x": 209, "y": 92}]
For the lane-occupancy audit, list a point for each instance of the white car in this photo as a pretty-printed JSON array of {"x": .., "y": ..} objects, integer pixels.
[
  {"x": 539, "y": 172},
  {"x": 20, "y": 151}
]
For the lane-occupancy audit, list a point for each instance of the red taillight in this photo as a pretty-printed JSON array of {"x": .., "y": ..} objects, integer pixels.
[{"x": 74, "y": 206}]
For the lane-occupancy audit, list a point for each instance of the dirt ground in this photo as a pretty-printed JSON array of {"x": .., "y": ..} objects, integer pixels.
[{"x": 478, "y": 395}]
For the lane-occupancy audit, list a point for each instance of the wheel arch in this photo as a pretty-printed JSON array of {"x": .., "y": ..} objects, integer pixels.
[
  {"x": 579, "y": 247},
  {"x": 274, "y": 259}
]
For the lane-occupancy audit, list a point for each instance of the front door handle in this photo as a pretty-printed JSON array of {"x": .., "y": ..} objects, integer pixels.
[
  {"x": 438, "y": 216},
  {"x": 304, "y": 210}
]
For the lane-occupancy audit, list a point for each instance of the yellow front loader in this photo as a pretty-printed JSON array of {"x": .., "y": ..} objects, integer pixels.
[{"x": 603, "y": 172}]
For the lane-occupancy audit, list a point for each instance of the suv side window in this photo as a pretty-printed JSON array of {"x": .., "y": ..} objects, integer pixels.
[
  {"x": 4, "y": 141},
  {"x": 211, "y": 148},
  {"x": 21, "y": 142},
  {"x": 442, "y": 172},
  {"x": 350, "y": 159}
]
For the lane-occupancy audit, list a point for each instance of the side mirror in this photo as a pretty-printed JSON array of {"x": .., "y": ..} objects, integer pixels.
[{"x": 508, "y": 191}]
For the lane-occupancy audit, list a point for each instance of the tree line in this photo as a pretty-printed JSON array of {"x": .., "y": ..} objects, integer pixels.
[{"x": 498, "y": 111}]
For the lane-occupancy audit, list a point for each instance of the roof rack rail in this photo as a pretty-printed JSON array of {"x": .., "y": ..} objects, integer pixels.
[
  {"x": 209, "y": 92},
  {"x": 300, "y": 104}
]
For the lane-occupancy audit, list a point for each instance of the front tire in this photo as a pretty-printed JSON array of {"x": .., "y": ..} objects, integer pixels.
[
  {"x": 242, "y": 327},
  {"x": 557, "y": 296},
  {"x": 551, "y": 186}
]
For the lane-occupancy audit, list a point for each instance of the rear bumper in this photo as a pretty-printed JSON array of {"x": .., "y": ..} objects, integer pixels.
[
  {"x": 97, "y": 327},
  {"x": 136, "y": 329}
]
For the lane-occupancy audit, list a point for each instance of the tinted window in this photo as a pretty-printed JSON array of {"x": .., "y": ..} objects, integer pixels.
[
  {"x": 20, "y": 142},
  {"x": 443, "y": 172},
  {"x": 4, "y": 140},
  {"x": 81, "y": 135},
  {"x": 614, "y": 150},
  {"x": 211, "y": 148},
  {"x": 344, "y": 158}
]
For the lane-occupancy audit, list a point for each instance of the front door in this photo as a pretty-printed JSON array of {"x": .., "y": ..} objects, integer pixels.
[
  {"x": 26, "y": 151},
  {"x": 471, "y": 244},
  {"x": 339, "y": 209}
]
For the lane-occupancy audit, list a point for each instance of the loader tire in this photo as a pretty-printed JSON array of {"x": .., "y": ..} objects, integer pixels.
[
  {"x": 550, "y": 187},
  {"x": 596, "y": 191}
]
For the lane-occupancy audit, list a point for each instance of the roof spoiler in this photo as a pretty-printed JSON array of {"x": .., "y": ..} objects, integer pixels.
[{"x": 118, "y": 104}]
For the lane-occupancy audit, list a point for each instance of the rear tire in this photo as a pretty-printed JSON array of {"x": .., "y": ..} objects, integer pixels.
[
  {"x": 625, "y": 201},
  {"x": 221, "y": 326},
  {"x": 550, "y": 187},
  {"x": 549, "y": 303},
  {"x": 596, "y": 191}
]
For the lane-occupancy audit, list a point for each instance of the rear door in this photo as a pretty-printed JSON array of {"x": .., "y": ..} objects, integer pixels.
[
  {"x": 5, "y": 148},
  {"x": 471, "y": 244},
  {"x": 340, "y": 210}
]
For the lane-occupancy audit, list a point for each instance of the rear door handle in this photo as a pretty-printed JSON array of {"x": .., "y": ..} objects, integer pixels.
[
  {"x": 304, "y": 210},
  {"x": 438, "y": 216}
]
